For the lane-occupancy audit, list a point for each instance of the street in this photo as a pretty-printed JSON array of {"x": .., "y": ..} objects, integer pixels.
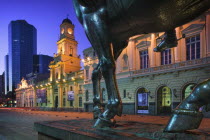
[{"x": 18, "y": 123}]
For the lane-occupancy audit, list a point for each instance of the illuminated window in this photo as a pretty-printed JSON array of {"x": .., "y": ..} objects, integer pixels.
[
  {"x": 187, "y": 90},
  {"x": 71, "y": 52},
  {"x": 193, "y": 47},
  {"x": 166, "y": 57},
  {"x": 144, "y": 57}
]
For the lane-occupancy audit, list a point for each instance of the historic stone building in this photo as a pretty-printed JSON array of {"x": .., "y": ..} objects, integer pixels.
[
  {"x": 149, "y": 82},
  {"x": 152, "y": 82},
  {"x": 25, "y": 94},
  {"x": 63, "y": 89}
]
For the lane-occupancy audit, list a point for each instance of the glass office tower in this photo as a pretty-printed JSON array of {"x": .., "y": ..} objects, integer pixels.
[{"x": 22, "y": 47}]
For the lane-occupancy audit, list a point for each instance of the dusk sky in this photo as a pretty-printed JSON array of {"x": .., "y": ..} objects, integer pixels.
[{"x": 46, "y": 16}]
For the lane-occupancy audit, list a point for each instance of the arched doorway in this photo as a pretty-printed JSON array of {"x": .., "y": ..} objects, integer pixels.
[
  {"x": 187, "y": 90},
  {"x": 164, "y": 100},
  {"x": 142, "y": 106}
]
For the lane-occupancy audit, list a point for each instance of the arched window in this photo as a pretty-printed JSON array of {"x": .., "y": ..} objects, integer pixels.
[
  {"x": 142, "y": 100},
  {"x": 80, "y": 101},
  {"x": 164, "y": 100},
  {"x": 125, "y": 61},
  {"x": 87, "y": 95},
  {"x": 187, "y": 90},
  {"x": 71, "y": 52}
]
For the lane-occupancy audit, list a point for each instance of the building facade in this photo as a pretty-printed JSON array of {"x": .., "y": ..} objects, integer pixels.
[
  {"x": 156, "y": 82},
  {"x": 6, "y": 77},
  {"x": 22, "y": 47},
  {"x": 149, "y": 82},
  {"x": 2, "y": 84},
  {"x": 63, "y": 89}
]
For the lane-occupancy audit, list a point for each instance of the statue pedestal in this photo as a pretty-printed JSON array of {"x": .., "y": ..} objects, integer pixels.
[{"x": 81, "y": 129}]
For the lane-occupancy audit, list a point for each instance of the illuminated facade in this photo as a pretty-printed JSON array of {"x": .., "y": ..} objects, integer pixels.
[
  {"x": 149, "y": 82},
  {"x": 25, "y": 94},
  {"x": 63, "y": 89},
  {"x": 155, "y": 83}
]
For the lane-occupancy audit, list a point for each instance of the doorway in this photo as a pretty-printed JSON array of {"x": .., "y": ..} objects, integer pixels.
[
  {"x": 164, "y": 100},
  {"x": 56, "y": 101},
  {"x": 142, "y": 101}
]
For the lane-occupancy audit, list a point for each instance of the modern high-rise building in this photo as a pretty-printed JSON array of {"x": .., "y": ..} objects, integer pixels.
[
  {"x": 41, "y": 63},
  {"x": 2, "y": 84},
  {"x": 6, "y": 77},
  {"x": 22, "y": 47}
]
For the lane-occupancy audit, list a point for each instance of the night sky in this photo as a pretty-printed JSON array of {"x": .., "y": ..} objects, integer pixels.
[{"x": 46, "y": 16}]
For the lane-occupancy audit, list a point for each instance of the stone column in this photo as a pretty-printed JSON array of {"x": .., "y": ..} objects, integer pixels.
[
  {"x": 130, "y": 52},
  {"x": 177, "y": 50},
  {"x": 60, "y": 96},
  {"x": 152, "y": 54},
  {"x": 52, "y": 101},
  {"x": 66, "y": 94},
  {"x": 208, "y": 32}
]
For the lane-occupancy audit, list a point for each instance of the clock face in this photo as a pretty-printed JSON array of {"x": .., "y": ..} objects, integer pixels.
[
  {"x": 62, "y": 31},
  {"x": 69, "y": 30}
]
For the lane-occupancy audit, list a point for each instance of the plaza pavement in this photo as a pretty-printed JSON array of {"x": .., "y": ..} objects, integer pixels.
[{"x": 18, "y": 123}]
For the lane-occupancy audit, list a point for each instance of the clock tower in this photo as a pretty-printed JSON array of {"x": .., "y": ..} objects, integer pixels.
[{"x": 66, "y": 60}]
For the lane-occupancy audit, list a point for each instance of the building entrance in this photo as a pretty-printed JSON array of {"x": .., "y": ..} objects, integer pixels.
[
  {"x": 56, "y": 101},
  {"x": 142, "y": 101},
  {"x": 164, "y": 100}
]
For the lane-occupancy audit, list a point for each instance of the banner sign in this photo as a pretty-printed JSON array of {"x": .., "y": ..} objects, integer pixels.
[
  {"x": 142, "y": 103},
  {"x": 70, "y": 95},
  {"x": 41, "y": 96}
]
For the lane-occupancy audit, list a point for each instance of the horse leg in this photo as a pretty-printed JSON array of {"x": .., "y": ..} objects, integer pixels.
[
  {"x": 114, "y": 107},
  {"x": 169, "y": 41},
  {"x": 97, "y": 31},
  {"x": 97, "y": 107},
  {"x": 186, "y": 115}
]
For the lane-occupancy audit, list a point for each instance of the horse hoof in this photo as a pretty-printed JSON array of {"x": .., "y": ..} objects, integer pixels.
[
  {"x": 183, "y": 120},
  {"x": 104, "y": 123},
  {"x": 96, "y": 112}
]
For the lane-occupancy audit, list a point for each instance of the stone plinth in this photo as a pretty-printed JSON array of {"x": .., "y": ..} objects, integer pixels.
[{"x": 81, "y": 129}]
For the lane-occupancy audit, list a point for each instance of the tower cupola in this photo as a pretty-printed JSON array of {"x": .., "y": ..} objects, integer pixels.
[{"x": 67, "y": 29}]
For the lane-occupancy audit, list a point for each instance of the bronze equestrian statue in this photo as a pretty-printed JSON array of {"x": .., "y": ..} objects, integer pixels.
[{"x": 109, "y": 24}]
